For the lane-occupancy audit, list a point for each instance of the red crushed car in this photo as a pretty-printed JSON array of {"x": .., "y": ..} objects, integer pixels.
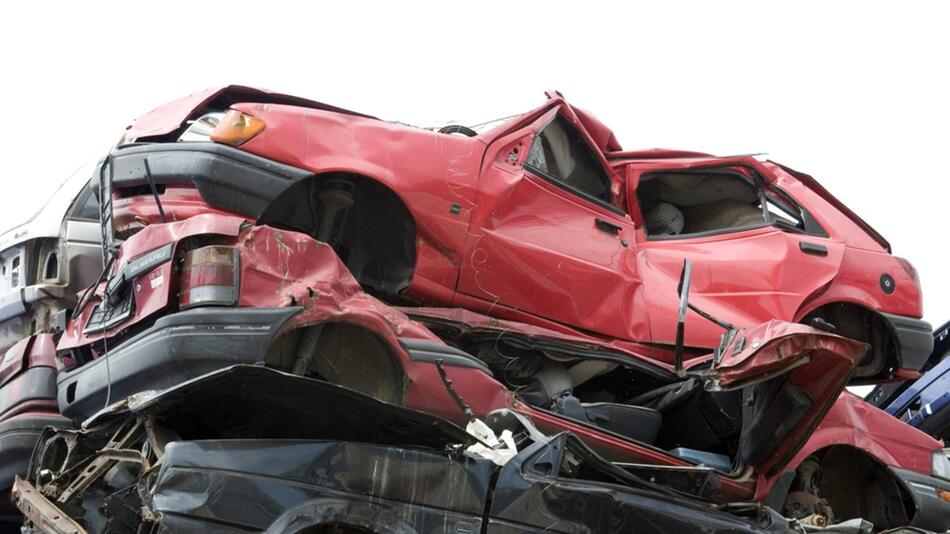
[
  {"x": 541, "y": 219},
  {"x": 188, "y": 297},
  {"x": 27, "y": 405}
]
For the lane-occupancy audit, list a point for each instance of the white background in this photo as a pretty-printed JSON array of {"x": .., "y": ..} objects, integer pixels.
[{"x": 854, "y": 93}]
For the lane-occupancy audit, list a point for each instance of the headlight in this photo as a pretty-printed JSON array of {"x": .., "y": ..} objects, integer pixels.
[
  {"x": 200, "y": 129},
  {"x": 941, "y": 465}
]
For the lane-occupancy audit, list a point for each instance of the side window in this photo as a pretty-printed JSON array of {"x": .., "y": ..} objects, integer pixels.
[
  {"x": 559, "y": 153},
  {"x": 698, "y": 202},
  {"x": 783, "y": 212},
  {"x": 86, "y": 207}
]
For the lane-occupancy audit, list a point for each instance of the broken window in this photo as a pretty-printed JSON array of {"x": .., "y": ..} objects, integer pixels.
[
  {"x": 560, "y": 154},
  {"x": 709, "y": 201}
]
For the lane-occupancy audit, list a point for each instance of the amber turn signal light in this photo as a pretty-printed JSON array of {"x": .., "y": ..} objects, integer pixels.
[{"x": 236, "y": 128}]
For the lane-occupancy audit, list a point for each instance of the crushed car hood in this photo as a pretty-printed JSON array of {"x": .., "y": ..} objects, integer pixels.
[
  {"x": 250, "y": 401},
  {"x": 169, "y": 117}
]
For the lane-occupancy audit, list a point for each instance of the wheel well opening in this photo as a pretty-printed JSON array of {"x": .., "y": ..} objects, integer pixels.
[
  {"x": 841, "y": 483},
  {"x": 364, "y": 221},
  {"x": 862, "y": 324},
  {"x": 341, "y": 353}
]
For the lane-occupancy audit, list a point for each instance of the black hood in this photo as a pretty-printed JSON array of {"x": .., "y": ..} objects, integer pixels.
[{"x": 249, "y": 401}]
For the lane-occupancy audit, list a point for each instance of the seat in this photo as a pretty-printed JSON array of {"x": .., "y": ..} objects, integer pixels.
[{"x": 633, "y": 422}]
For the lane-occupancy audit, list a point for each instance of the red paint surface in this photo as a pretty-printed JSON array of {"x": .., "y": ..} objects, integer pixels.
[{"x": 524, "y": 249}]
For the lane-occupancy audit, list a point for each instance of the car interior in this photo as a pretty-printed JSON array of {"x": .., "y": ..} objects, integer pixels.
[
  {"x": 638, "y": 403},
  {"x": 697, "y": 202}
]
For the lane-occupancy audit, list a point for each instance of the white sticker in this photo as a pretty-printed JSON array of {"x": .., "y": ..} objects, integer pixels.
[{"x": 156, "y": 280}]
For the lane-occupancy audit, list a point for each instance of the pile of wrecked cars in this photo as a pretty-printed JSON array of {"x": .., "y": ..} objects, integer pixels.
[{"x": 300, "y": 318}]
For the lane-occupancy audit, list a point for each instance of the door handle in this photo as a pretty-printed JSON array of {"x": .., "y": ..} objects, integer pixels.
[
  {"x": 813, "y": 248},
  {"x": 606, "y": 226}
]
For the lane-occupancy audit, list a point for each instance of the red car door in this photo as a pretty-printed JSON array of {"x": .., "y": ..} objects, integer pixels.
[
  {"x": 756, "y": 254},
  {"x": 545, "y": 238}
]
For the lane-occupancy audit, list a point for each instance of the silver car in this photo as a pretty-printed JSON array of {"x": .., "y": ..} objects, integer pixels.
[{"x": 48, "y": 259}]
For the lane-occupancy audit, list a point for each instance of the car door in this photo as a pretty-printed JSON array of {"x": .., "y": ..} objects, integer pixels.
[
  {"x": 546, "y": 238},
  {"x": 756, "y": 254}
]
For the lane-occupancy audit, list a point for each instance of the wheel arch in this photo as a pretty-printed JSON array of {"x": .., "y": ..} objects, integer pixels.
[
  {"x": 855, "y": 482},
  {"x": 365, "y": 219},
  {"x": 342, "y": 352},
  {"x": 852, "y": 318}
]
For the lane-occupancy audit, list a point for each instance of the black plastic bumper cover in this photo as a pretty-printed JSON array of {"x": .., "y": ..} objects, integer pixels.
[
  {"x": 915, "y": 339},
  {"x": 227, "y": 178},
  {"x": 933, "y": 513},
  {"x": 178, "y": 347}
]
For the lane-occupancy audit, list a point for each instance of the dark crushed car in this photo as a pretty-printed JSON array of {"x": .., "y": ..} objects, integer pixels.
[{"x": 248, "y": 449}]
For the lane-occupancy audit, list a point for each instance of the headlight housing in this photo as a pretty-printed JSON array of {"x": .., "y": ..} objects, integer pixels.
[
  {"x": 941, "y": 464},
  {"x": 200, "y": 129}
]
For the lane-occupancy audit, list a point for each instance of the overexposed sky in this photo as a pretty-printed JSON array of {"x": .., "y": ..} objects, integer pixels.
[{"x": 855, "y": 93}]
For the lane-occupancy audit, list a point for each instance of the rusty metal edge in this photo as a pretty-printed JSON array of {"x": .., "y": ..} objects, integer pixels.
[{"x": 38, "y": 509}]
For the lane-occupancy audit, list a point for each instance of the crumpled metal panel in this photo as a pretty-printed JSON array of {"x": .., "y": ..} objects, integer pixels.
[
  {"x": 171, "y": 116},
  {"x": 856, "y": 423},
  {"x": 155, "y": 289},
  {"x": 259, "y": 484}
]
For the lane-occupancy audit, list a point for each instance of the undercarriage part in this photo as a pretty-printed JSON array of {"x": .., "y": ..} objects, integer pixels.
[
  {"x": 341, "y": 354},
  {"x": 804, "y": 505},
  {"x": 45, "y": 515},
  {"x": 864, "y": 325},
  {"x": 367, "y": 225},
  {"x": 817, "y": 520}
]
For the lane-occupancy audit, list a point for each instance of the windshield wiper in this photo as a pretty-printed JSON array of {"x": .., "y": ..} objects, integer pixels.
[{"x": 151, "y": 185}]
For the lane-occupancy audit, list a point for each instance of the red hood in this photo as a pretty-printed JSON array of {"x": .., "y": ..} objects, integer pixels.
[{"x": 169, "y": 117}]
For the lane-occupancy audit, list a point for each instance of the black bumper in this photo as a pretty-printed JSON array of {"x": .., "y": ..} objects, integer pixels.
[
  {"x": 178, "y": 347},
  {"x": 915, "y": 340},
  {"x": 933, "y": 513},
  {"x": 227, "y": 178},
  {"x": 17, "y": 440}
]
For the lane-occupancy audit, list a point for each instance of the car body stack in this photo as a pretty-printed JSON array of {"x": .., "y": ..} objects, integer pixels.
[{"x": 291, "y": 293}]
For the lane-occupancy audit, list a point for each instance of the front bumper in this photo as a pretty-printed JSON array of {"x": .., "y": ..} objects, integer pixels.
[
  {"x": 178, "y": 347},
  {"x": 933, "y": 513},
  {"x": 915, "y": 340}
]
